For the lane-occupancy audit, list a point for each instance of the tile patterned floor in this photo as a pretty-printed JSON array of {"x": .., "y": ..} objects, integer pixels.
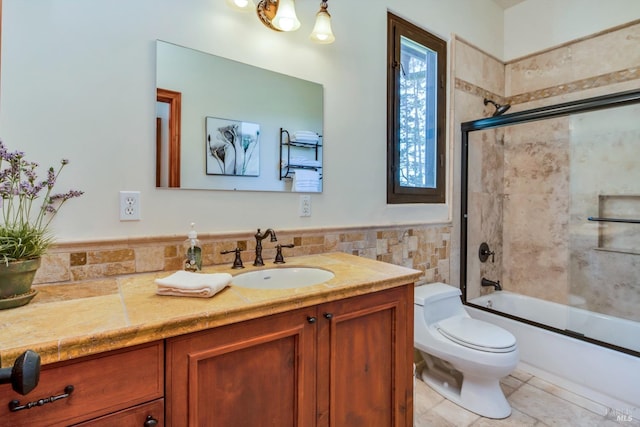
[{"x": 534, "y": 402}]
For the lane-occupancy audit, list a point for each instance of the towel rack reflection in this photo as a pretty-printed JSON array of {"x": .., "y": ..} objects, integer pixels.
[
  {"x": 286, "y": 167},
  {"x": 628, "y": 221}
]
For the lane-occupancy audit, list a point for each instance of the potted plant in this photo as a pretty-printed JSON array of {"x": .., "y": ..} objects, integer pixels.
[{"x": 28, "y": 206}]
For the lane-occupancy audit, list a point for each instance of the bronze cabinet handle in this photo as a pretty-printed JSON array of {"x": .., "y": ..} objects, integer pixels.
[{"x": 15, "y": 406}]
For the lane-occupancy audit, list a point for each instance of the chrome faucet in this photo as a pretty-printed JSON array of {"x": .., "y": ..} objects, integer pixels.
[
  {"x": 259, "y": 238},
  {"x": 487, "y": 282}
]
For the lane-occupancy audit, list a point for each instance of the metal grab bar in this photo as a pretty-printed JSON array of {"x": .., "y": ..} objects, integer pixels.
[{"x": 628, "y": 221}]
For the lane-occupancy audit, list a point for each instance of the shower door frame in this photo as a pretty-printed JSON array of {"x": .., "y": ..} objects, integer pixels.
[{"x": 552, "y": 111}]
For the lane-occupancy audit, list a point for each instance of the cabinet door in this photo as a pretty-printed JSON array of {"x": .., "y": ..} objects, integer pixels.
[
  {"x": 259, "y": 372},
  {"x": 365, "y": 346}
]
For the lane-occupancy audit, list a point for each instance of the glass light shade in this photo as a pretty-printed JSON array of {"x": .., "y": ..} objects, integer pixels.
[
  {"x": 322, "y": 32},
  {"x": 286, "y": 19},
  {"x": 242, "y": 5}
]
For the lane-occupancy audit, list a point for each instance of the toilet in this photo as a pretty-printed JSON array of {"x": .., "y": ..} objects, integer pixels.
[{"x": 464, "y": 358}]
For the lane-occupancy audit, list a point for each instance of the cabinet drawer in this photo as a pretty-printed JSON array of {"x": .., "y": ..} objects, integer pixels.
[
  {"x": 132, "y": 417},
  {"x": 102, "y": 384}
]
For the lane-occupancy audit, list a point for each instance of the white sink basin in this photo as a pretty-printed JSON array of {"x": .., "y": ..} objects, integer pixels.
[{"x": 282, "y": 278}]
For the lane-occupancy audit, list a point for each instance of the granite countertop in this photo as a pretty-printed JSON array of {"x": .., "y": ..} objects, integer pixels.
[{"x": 68, "y": 321}]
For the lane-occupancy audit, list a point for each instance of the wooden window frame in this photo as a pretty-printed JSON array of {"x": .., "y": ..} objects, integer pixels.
[{"x": 397, "y": 194}]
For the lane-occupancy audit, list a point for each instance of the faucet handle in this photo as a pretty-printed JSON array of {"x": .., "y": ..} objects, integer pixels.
[
  {"x": 237, "y": 262},
  {"x": 279, "y": 257},
  {"x": 484, "y": 252}
]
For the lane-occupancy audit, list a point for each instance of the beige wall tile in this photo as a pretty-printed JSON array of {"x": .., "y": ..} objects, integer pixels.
[
  {"x": 479, "y": 68},
  {"x": 406, "y": 246},
  {"x": 149, "y": 259},
  {"x": 54, "y": 267},
  {"x": 607, "y": 53}
]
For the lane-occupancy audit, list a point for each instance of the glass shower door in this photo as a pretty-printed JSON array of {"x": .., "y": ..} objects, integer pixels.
[{"x": 605, "y": 224}]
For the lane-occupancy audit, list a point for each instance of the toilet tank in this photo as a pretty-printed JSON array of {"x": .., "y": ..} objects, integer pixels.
[{"x": 439, "y": 301}]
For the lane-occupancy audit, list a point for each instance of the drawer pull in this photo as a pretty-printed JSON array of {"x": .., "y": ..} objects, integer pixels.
[
  {"x": 150, "y": 422},
  {"x": 15, "y": 406}
]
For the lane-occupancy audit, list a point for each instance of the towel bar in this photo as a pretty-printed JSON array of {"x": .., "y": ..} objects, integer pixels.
[{"x": 628, "y": 221}]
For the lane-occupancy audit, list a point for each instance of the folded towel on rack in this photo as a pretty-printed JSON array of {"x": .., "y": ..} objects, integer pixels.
[
  {"x": 306, "y": 181},
  {"x": 307, "y": 133},
  {"x": 306, "y": 136},
  {"x": 303, "y": 161},
  {"x": 188, "y": 284},
  {"x": 308, "y": 141}
]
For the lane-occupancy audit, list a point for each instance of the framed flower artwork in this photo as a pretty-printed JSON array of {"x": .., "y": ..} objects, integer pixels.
[{"x": 233, "y": 147}]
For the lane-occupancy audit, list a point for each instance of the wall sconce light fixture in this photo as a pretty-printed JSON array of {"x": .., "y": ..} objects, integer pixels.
[
  {"x": 322, "y": 32},
  {"x": 280, "y": 15}
]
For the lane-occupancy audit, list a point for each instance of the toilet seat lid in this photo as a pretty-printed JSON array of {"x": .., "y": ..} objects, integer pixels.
[{"x": 477, "y": 334}]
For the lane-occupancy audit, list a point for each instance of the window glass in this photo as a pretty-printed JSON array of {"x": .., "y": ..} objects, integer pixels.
[{"x": 418, "y": 110}]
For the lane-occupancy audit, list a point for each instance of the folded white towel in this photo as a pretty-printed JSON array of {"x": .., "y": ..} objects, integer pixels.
[
  {"x": 306, "y": 181},
  {"x": 306, "y": 136},
  {"x": 305, "y": 133},
  {"x": 307, "y": 139},
  {"x": 303, "y": 161},
  {"x": 186, "y": 283}
]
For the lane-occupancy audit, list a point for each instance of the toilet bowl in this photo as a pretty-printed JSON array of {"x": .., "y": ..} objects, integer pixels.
[{"x": 464, "y": 358}]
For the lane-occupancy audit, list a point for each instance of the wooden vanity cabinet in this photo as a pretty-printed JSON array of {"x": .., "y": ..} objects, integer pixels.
[
  {"x": 365, "y": 360},
  {"x": 127, "y": 385},
  {"x": 346, "y": 363}
]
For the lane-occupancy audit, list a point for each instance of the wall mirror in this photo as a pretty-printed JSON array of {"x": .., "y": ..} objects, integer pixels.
[{"x": 225, "y": 125}]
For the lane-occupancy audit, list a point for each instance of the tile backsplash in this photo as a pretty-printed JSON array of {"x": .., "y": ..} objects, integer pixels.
[{"x": 424, "y": 247}]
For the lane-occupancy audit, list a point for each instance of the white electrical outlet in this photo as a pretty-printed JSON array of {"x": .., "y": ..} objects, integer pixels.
[
  {"x": 129, "y": 206},
  {"x": 305, "y": 205}
]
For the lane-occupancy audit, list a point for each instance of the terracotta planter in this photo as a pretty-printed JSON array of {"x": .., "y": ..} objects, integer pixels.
[{"x": 15, "y": 282}]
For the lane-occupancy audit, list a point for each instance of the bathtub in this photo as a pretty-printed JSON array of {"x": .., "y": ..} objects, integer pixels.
[{"x": 605, "y": 376}]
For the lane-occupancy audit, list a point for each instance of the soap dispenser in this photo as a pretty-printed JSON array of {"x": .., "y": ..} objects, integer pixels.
[{"x": 193, "y": 250}]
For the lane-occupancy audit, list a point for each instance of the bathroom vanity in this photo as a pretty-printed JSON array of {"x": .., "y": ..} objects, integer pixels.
[{"x": 337, "y": 353}]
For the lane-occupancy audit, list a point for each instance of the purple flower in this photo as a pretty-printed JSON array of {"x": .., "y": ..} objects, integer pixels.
[
  {"x": 68, "y": 195},
  {"x": 51, "y": 178},
  {"x": 19, "y": 188}
]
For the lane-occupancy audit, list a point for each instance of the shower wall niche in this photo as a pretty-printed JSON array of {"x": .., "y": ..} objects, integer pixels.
[{"x": 617, "y": 217}]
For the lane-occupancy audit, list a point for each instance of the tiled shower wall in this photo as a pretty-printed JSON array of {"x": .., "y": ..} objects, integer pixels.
[
  {"x": 423, "y": 247},
  {"x": 529, "y": 228},
  {"x": 477, "y": 75}
]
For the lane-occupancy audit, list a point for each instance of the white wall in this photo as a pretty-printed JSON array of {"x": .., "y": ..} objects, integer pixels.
[
  {"x": 78, "y": 81},
  {"x": 535, "y": 25}
]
